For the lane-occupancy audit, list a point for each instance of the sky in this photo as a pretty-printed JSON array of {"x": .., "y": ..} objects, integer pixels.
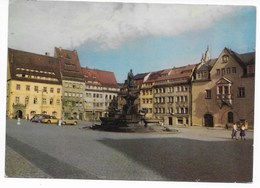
[{"x": 122, "y": 36}]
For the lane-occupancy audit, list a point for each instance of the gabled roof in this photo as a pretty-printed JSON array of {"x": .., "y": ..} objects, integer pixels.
[
  {"x": 224, "y": 80},
  {"x": 178, "y": 72},
  {"x": 100, "y": 77},
  {"x": 242, "y": 59},
  {"x": 70, "y": 65},
  {"x": 27, "y": 66},
  {"x": 206, "y": 66}
]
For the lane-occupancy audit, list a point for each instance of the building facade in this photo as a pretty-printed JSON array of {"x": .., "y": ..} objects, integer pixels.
[
  {"x": 33, "y": 85},
  {"x": 100, "y": 89},
  {"x": 73, "y": 83},
  {"x": 223, "y": 89},
  {"x": 172, "y": 96}
]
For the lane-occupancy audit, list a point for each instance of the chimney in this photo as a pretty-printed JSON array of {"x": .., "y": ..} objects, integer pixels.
[{"x": 47, "y": 53}]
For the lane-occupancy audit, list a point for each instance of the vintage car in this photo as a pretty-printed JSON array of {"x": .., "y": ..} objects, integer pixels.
[
  {"x": 49, "y": 119},
  {"x": 69, "y": 121}
]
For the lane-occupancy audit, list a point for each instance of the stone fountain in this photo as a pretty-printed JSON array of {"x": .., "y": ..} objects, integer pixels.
[{"x": 128, "y": 117}]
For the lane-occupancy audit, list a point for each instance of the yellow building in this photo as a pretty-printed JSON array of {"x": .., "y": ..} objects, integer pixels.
[{"x": 33, "y": 85}]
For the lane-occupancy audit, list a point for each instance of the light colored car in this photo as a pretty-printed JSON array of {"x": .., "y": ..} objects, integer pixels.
[
  {"x": 69, "y": 121},
  {"x": 50, "y": 119}
]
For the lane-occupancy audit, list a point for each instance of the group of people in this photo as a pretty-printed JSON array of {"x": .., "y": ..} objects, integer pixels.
[{"x": 242, "y": 132}]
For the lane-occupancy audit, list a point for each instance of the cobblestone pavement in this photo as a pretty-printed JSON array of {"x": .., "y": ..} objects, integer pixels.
[{"x": 76, "y": 152}]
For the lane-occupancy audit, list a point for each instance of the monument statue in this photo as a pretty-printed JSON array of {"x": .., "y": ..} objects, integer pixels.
[{"x": 126, "y": 117}]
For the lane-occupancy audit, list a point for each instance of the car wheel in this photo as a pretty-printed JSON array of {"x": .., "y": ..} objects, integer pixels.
[
  {"x": 75, "y": 123},
  {"x": 64, "y": 123},
  {"x": 49, "y": 121}
]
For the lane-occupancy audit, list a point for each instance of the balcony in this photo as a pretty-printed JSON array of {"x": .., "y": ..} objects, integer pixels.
[{"x": 224, "y": 99}]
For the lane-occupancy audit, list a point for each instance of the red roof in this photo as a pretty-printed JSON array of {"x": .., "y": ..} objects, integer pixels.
[
  {"x": 178, "y": 72},
  {"x": 27, "y": 66},
  {"x": 70, "y": 65},
  {"x": 100, "y": 77}
]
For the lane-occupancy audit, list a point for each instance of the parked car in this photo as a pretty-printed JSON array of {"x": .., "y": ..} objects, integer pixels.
[
  {"x": 50, "y": 119},
  {"x": 38, "y": 118},
  {"x": 69, "y": 121}
]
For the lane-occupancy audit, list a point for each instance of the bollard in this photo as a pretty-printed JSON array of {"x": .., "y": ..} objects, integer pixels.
[
  {"x": 18, "y": 121},
  {"x": 59, "y": 123}
]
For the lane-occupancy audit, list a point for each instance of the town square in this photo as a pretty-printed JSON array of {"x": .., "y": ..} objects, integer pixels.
[{"x": 126, "y": 91}]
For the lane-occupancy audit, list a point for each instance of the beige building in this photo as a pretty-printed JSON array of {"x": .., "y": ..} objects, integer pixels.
[
  {"x": 33, "y": 85},
  {"x": 73, "y": 83},
  {"x": 172, "y": 96},
  {"x": 100, "y": 89},
  {"x": 223, "y": 89},
  {"x": 147, "y": 93}
]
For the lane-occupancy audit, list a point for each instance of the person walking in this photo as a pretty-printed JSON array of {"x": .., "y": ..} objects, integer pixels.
[
  {"x": 243, "y": 132},
  {"x": 234, "y": 131}
]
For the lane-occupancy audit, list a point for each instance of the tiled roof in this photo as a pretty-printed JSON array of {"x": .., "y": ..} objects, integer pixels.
[
  {"x": 178, "y": 72},
  {"x": 154, "y": 76},
  {"x": 26, "y": 66},
  {"x": 70, "y": 65},
  {"x": 100, "y": 77},
  {"x": 140, "y": 76}
]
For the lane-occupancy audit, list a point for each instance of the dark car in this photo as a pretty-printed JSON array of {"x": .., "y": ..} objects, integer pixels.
[{"x": 37, "y": 118}]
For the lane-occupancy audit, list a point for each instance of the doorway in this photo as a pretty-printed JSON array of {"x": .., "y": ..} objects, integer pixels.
[
  {"x": 170, "y": 120},
  {"x": 19, "y": 114},
  {"x": 208, "y": 119}
]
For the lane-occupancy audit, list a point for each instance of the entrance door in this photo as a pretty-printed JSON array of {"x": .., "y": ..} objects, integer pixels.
[
  {"x": 19, "y": 114},
  {"x": 170, "y": 120},
  {"x": 208, "y": 119},
  {"x": 230, "y": 117}
]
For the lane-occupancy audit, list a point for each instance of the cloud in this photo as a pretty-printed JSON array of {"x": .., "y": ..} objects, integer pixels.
[{"x": 39, "y": 26}]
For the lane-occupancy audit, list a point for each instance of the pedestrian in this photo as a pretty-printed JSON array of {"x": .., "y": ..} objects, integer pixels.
[
  {"x": 234, "y": 131},
  {"x": 243, "y": 132}
]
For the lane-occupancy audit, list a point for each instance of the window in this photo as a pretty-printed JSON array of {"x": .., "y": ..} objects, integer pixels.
[
  {"x": 228, "y": 70},
  {"x": 51, "y": 101},
  {"x": 58, "y": 101},
  {"x": 223, "y": 71},
  {"x": 58, "y": 90},
  {"x": 26, "y": 100},
  {"x": 220, "y": 90},
  {"x": 241, "y": 92},
  {"x": 225, "y": 58},
  {"x": 208, "y": 94},
  {"x": 44, "y": 89},
  {"x": 27, "y": 87},
  {"x": 44, "y": 101},
  {"x": 218, "y": 72},
  {"x": 234, "y": 70},
  {"x": 36, "y": 88},
  {"x": 226, "y": 90},
  {"x": 51, "y": 89},
  {"x": 17, "y": 100},
  {"x": 18, "y": 86},
  {"x": 35, "y": 101}
]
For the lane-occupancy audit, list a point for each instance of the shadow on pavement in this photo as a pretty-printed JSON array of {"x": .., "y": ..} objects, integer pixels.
[
  {"x": 47, "y": 163},
  {"x": 180, "y": 159}
]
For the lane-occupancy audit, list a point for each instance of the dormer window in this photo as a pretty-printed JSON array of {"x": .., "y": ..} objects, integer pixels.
[
  {"x": 68, "y": 56},
  {"x": 225, "y": 58}
]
